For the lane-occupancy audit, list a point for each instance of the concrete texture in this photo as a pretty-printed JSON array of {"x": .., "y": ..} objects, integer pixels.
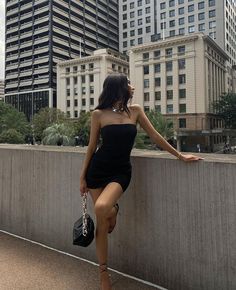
[
  {"x": 176, "y": 225},
  {"x": 27, "y": 266}
]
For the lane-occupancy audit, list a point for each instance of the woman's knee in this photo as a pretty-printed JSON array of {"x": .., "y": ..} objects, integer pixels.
[{"x": 101, "y": 209}]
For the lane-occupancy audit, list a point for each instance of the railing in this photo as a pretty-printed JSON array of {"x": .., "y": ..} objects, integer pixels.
[{"x": 177, "y": 221}]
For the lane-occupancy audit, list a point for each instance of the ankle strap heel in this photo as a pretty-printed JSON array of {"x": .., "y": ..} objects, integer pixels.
[{"x": 103, "y": 268}]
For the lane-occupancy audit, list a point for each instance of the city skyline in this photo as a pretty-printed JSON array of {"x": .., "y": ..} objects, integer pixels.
[{"x": 2, "y": 39}]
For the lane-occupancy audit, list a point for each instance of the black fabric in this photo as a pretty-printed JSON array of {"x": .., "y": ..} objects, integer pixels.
[
  {"x": 78, "y": 238},
  {"x": 111, "y": 162}
]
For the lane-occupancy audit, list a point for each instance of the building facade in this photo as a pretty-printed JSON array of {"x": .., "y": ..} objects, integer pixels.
[
  {"x": 41, "y": 33},
  {"x": 80, "y": 80},
  {"x": 1, "y": 90},
  {"x": 181, "y": 77}
]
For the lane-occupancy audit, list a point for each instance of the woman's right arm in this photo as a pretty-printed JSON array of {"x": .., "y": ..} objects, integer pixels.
[{"x": 93, "y": 140}]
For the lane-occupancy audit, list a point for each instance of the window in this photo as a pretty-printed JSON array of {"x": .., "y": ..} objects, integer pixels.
[
  {"x": 147, "y": 1},
  {"x": 68, "y": 103},
  {"x": 212, "y": 3},
  {"x": 146, "y": 83},
  {"x": 131, "y": 5},
  {"x": 75, "y": 114},
  {"x": 201, "y": 5},
  {"x": 182, "y": 93},
  {"x": 146, "y": 97},
  {"x": 163, "y": 25},
  {"x": 169, "y": 94},
  {"x": 124, "y": 16},
  {"x": 146, "y": 69},
  {"x": 191, "y": 8},
  {"x": 201, "y": 27},
  {"x": 163, "y": 15},
  {"x": 68, "y": 92},
  {"x": 124, "y": 7},
  {"x": 182, "y": 123},
  {"x": 131, "y": 23},
  {"x": 75, "y": 80},
  {"x": 76, "y": 91},
  {"x": 140, "y": 31},
  {"x": 75, "y": 69},
  {"x": 148, "y": 19},
  {"x": 140, "y": 21},
  {"x": 140, "y": 12},
  {"x": 157, "y": 54},
  {"x": 124, "y": 43},
  {"x": 83, "y": 79},
  {"x": 124, "y": 25},
  {"x": 148, "y": 10},
  {"x": 139, "y": 3},
  {"x": 163, "y": 5},
  {"x": 172, "y": 23},
  {"x": 82, "y": 67},
  {"x": 181, "y": 49},
  {"x": 169, "y": 109},
  {"x": 212, "y": 24},
  {"x": 172, "y": 32},
  {"x": 169, "y": 80},
  {"x": 182, "y": 108},
  {"x": 146, "y": 108},
  {"x": 132, "y": 14},
  {"x": 146, "y": 56},
  {"x": 172, "y": 13},
  {"x": 91, "y": 89},
  {"x": 132, "y": 42},
  {"x": 75, "y": 102},
  {"x": 201, "y": 16},
  {"x": 181, "y": 1},
  {"x": 169, "y": 66},
  {"x": 140, "y": 40},
  {"x": 212, "y": 13},
  {"x": 182, "y": 79},
  {"x": 181, "y": 31},
  {"x": 191, "y": 19},
  {"x": 191, "y": 29},
  {"x": 91, "y": 78},
  {"x": 83, "y": 90},
  {"x": 83, "y": 102},
  {"x": 124, "y": 34},
  {"x": 168, "y": 52},
  {"x": 157, "y": 82},
  {"x": 181, "y": 63},
  {"x": 181, "y": 11},
  {"x": 181, "y": 21},
  {"x": 132, "y": 32},
  {"x": 91, "y": 101},
  {"x": 157, "y": 67},
  {"x": 158, "y": 96},
  {"x": 158, "y": 108},
  {"x": 67, "y": 81},
  {"x": 171, "y": 3},
  {"x": 148, "y": 29}
]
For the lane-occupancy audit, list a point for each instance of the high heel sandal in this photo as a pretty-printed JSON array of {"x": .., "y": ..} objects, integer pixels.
[
  {"x": 103, "y": 269},
  {"x": 116, "y": 206}
]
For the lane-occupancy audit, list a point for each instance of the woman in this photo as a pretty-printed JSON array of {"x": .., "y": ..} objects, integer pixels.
[{"x": 106, "y": 173}]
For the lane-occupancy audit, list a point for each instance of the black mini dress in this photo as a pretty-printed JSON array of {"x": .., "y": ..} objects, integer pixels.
[{"x": 111, "y": 162}]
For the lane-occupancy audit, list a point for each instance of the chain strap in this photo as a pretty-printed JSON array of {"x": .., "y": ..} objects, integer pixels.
[{"x": 84, "y": 204}]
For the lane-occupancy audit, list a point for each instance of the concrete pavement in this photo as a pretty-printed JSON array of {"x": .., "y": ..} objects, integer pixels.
[{"x": 28, "y": 266}]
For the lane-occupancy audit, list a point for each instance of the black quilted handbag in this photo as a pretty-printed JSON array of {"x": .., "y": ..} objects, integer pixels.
[{"x": 83, "y": 231}]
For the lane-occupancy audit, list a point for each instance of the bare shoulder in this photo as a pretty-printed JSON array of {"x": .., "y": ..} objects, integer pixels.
[
  {"x": 136, "y": 108},
  {"x": 96, "y": 114}
]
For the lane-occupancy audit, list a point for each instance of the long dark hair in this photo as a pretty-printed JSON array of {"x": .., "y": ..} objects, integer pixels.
[{"x": 115, "y": 88}]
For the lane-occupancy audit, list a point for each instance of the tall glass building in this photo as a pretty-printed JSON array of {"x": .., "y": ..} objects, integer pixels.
[{"x": 40, "y": 33}]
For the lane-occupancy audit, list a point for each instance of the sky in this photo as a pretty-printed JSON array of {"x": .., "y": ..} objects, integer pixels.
[{"x": 2, "y": 38}]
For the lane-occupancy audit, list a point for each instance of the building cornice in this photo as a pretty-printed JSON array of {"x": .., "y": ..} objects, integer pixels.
[
  {"x": 77, "y": 61},
  {"x": 212, "y": 43},
  {"x": 117, "y": 60}
]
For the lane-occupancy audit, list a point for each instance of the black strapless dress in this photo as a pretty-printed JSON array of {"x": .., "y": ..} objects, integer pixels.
[{"x": 111, "y": 162}]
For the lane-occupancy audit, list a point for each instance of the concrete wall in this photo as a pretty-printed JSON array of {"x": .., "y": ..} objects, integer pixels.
[{"x": 176, "y": 226}]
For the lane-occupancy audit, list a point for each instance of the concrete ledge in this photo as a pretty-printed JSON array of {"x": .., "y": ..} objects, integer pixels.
[{"x": 176, "y": 226}]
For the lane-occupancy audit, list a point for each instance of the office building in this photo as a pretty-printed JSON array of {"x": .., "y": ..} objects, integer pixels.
[
  {"x": 181, "y": 77},
  {"x": 1, "y": 90},
  {"x": 80, "y": 80},
  {"x": 41, "y": 33}
]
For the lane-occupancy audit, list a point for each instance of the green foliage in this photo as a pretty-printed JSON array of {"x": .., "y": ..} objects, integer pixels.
[
  {"x": 139, "y": 142},
  {"x": 161, "y": 125},
  {"x": 58, "y": 134},
  {"x": 45, "y": 118},
  {"x": 226, "y": 109},
  {"x": 82, "y": 128},
  {"x": 11, "y": 136}
]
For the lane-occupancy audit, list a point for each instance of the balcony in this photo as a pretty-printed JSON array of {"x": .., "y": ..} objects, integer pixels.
[
  {"x": 176, "y": 224},
  {"x": 41, "y": 60},
  {"x": 40, "y": 81},
  {"x": 41, "y": 20},
  {"x": 41, "y": 70},
  {"x": 41, "y": 40},
  {"x": 26, "y": 73}
]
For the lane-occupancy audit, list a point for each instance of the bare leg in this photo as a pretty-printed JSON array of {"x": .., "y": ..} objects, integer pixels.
[{"x": 103, "y": 208}]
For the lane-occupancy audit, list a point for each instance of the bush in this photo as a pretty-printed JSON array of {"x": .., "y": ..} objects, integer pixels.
[{"x": 11, "y": 136}]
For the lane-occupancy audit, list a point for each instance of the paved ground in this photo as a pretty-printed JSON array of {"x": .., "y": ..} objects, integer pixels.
[{"x": 28, "y": 266}]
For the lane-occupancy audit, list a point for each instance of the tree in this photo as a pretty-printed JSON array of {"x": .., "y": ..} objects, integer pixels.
[
  {"x": 82, "y": 128},
  {"x": 139, "y": 142},
  {"x": 11, "y": 136},
  {"x": 58, "y": 134},
  {"x": 226, "y": 109},
  {"x": 10, "y": 118},
  {"x": 161, "y": 124},
  {"x": 45, "y": 118}
]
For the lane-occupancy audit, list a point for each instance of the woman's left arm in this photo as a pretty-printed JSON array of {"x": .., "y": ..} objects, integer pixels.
[{"x": 158, "y": 139}]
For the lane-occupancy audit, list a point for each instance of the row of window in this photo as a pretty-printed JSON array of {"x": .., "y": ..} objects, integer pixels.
[
  {"x": 139, "y": 13},
  {"x": 139, "y": 32},
  {"x": 132, "y": 4},
  {"x": 83, "y": 91},
  {"x": 83, "y": 102},
  {"x": 82, "y": 68},
  {"x": 139, "y": 22},
  {"x": 201, "y": 4},
  {"x": 212, "y": 24},
  {"x": 75, "y": 80},
  {"x": 169, "y": 81},
  {"x": 169, "y": 66},
  {"x": 169, "y": 95},
  {"x": 169, "y": 109},
  {"x": 201, "y": 16},
  {"x": 168, "y": 53}
]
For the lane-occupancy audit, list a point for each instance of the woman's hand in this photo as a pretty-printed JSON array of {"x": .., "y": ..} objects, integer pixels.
[
  {"x": 83, "y": 186},
  {"x": 189, "y": 157}
]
